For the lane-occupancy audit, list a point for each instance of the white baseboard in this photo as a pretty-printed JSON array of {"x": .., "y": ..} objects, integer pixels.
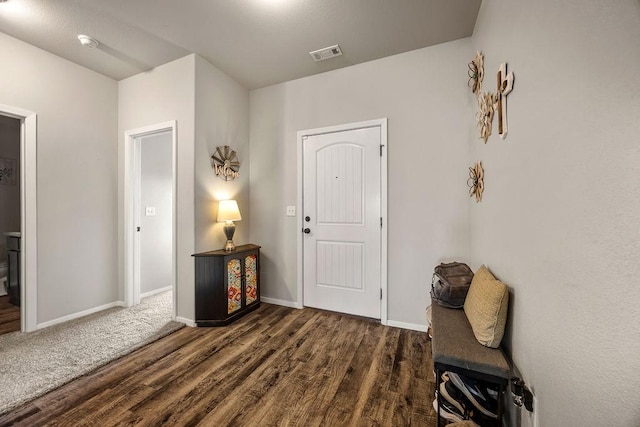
[
  {"x": 282, "y": 302},
  {"x": 156, "y": 291},
  {"x": 79, "y": 314},
  {"x": 411, "y": 326},
  {"x": 187, "y": 322}
]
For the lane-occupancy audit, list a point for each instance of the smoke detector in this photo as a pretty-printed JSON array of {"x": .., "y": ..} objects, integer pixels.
[
  {"x": 326, "y": 53},
  {"x": 88, "y": 41}
]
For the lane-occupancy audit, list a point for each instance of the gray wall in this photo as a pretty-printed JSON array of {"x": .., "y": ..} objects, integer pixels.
[
  {"x": 222, "y": 118},
  {"x": 211, "y": 109},
  {"x": 156, "y": 236},
  {"x": 9, "y": 194},
  {"x": 425, "y": 99},
  {"x": 559, "y": 221},
  {"x": 160, "y": 95},
  {"x": 77, "y": 170}
]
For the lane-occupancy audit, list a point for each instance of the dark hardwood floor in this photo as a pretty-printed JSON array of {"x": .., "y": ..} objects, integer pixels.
[
  {"x": 276, "y": 366},
  {"x": 9, "y": 316}
]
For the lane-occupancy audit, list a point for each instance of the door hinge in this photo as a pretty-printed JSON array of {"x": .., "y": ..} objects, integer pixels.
[
  {"x": 380, "y": 293},
  {"x": 381, "y": 149},
  {"x": 137, "y": 228},
  {"x": 380, "y": 222}
]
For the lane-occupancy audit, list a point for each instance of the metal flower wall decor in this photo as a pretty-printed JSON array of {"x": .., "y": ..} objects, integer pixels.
[
  {"x": 485, "y": 115},
  {"x": 476, "y": 181},
  {"x": 476, "y": 73}
]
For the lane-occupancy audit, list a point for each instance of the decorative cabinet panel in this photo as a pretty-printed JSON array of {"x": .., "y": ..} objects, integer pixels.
[{"x": 227, "y": 284}]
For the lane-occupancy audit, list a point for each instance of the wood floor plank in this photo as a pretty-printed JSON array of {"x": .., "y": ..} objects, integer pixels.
[
  {"x": 341, "y": 410},
  {"x": 373, "y": 401},
  {"x": 244, "y": 392},
  {"x": 183, "y": 403},
  {"x": 330, "y": 371},
  {"x": 401, "y": 381},
  {"x": 422, "y": 387},
  {"x": 302, "y": 382},
  {"x": 276, "y": 366},
  {"x": 9, "y": 316},
  {"x": 103, "y": 406}
]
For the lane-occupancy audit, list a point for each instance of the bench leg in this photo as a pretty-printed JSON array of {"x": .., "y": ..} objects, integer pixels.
[{"x": 501, "y": 398}]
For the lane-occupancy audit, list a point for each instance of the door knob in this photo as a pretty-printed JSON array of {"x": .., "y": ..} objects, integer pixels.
[
  {"x": 306, "y": 231},
  {"x": 307, "y": 218}
]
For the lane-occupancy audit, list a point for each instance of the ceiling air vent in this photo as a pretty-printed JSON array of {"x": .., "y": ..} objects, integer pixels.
[{"x": 326, "y": 53}]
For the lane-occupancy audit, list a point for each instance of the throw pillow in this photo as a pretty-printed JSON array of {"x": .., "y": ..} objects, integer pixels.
[{"x": 486, "y": 307}]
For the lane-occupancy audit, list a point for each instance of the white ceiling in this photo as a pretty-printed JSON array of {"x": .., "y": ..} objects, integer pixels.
[{"x": 257, "y": 42}]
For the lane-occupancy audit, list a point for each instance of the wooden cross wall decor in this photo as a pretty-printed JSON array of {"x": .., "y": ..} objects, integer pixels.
[
  {"x": 490, "y": 104},
  {"x": 505, "y": 86}
]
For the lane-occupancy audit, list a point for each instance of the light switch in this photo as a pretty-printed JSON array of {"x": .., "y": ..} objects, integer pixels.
[
  {"x": 150, "y": 211},
  {"x": 291, "y": 211}
]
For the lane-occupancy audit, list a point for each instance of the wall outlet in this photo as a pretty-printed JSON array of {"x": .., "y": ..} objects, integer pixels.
[
  {"x": 150, "y": 211},
  {"x": 291, "y": 211}
]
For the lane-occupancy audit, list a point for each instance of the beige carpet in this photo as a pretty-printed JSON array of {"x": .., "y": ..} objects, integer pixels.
[{"x": 34, "y": 363}]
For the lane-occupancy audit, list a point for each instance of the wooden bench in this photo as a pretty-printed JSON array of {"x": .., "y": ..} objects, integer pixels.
[{"x": 456, "y": 349}]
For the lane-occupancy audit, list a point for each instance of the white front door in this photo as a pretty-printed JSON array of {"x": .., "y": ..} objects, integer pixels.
[{"x": 342, "y": 221}]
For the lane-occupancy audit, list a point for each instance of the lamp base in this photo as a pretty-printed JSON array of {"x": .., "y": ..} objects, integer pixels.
[
  {"x": 229, "y": 246},
  {"x": 229, "y": 230}
]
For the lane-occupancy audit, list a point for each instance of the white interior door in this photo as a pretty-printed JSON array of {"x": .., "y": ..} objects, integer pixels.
[{"x": 342, "y": 221}]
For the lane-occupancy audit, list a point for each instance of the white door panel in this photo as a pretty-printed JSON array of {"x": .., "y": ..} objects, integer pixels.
[{"x": 341, "y": 194}]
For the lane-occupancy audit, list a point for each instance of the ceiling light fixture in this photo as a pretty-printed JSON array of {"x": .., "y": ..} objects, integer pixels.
[{"x": 87, "y": 41}]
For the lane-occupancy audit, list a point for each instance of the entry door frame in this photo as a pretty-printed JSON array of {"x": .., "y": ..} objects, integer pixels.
[
  {"x": 28, "y": 216},
  {"x": 302, "y": 135},
  {"x": 133, "y": 209}
]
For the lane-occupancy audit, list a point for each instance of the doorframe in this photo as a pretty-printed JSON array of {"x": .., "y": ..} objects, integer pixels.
[
  {"x": 132, "y": 210},
  {"x": 302, "y": 135},
  {"x": 28, "y": 216}
]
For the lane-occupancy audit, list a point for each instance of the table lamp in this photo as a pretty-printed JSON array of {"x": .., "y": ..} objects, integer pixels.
[{"x": 228, "y": 212}]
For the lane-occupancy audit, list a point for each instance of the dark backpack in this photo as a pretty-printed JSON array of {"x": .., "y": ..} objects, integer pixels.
[{"x": 450, "y": 284}]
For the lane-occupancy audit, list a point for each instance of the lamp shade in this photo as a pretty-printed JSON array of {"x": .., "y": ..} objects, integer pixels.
[{"x": 228, "y": 211}]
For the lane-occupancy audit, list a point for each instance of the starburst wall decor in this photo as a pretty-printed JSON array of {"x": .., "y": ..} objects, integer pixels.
[{"x": 225, "y": 163}]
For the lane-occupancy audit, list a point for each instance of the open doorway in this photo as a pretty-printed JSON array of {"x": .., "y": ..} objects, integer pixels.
[
  {"x": 22, "y": 258},
  {"x": 150, "y": 212},
  {"x": 10, "y": 229},
  {"x": 156, "y": 216}
]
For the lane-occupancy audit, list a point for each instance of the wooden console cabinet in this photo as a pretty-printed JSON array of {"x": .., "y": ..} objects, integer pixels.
[{"x": 227, "y": 284}]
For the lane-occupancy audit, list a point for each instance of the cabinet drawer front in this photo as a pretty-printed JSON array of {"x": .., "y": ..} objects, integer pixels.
[{"x": 234, "y": 285}]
